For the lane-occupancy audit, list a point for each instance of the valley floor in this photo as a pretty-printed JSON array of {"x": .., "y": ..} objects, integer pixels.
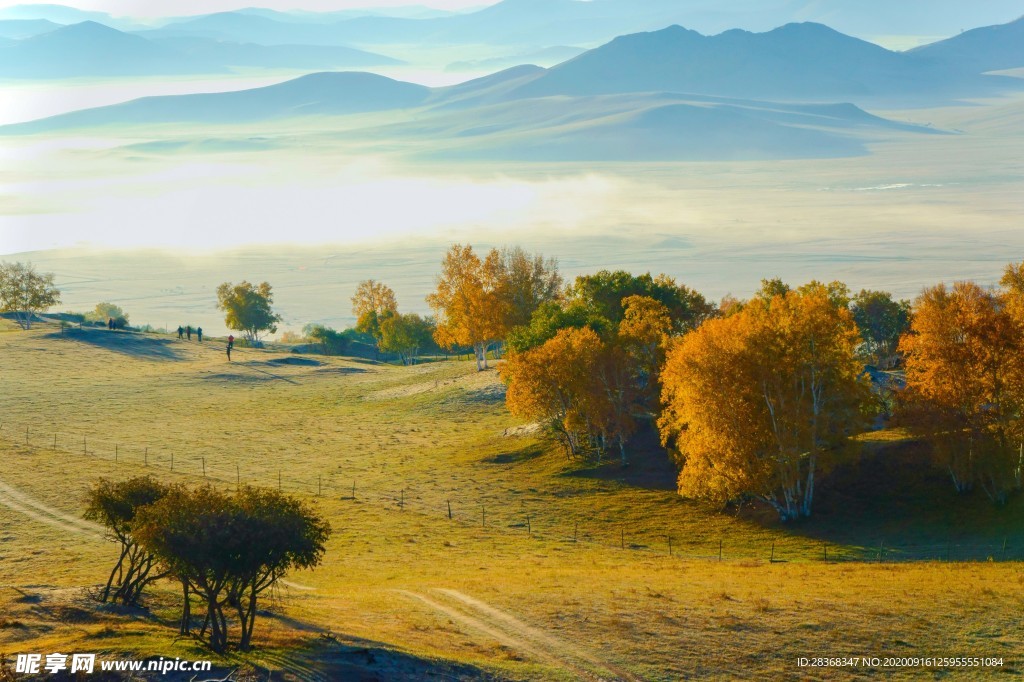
[{"x": 545, "y": 569}]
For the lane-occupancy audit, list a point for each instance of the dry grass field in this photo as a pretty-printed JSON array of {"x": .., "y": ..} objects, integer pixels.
[{"x": 546, "y": 570}]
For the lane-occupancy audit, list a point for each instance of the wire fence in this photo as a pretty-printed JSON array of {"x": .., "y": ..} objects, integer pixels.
[{"x": 494, "y": 516}]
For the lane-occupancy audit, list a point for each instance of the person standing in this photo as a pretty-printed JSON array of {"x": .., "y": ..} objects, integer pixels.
[
  {"x": 188, "y": 332},
  {"x": 231, "y": 344},
  {"x": 181, "y": 332},
  {"x": 110, "y": 323},
  {"x": 199, "y": 334}
]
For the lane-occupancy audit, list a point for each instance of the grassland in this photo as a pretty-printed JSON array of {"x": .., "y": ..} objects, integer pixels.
[{"x": 547, "y": 569}]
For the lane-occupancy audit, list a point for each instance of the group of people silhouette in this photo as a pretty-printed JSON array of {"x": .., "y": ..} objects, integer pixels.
[{"x": 187, "y": 331}]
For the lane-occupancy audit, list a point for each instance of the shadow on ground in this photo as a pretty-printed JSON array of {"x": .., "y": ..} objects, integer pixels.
[
  {"x": 650, "y": 466},
  {"x": 129, "y": 343}
]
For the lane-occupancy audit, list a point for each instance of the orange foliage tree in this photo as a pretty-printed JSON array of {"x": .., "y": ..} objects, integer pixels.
[
  {"x": 757, "y": 403},
  {"x": 478, "y": 302},
  {"x": 965, "y": 383}
]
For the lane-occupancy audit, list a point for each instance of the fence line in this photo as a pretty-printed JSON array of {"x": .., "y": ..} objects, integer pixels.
[{"x": 477, "y": 513}]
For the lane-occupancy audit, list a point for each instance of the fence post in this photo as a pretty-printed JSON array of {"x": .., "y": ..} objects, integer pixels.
[
  {"x": 719, "y": 549},
  {"x": 622, "y": 537},
  {"x": 319, "y": 485},
  {"x": 529, "y": 529},
  {"x": 401, "y": 502},
  {"x": 575, "y": 531},
  {"x": 172, "y": 461},
  {"x": 483, "y": 516},
  {"x": 85, "y": 448},
  {"x": 353, "y": 490},
  {"x": 772, "y": 559},
  {"x": 55, "y": 442},
  {"x": 204, "y": 467},
  {"x": 824, "y": 548},
  {"x": 146, "y": 455},
  {"x": 278, "y": 480},
  {"x": 670, "y": 545},
  {"x": 115, "y": 452},
  {"x": 449, "y": 509},
  {"x": 26, "y": 435},
  {"x": 238, "y": 478}
]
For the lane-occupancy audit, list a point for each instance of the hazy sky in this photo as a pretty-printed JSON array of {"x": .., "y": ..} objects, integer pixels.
[{"x": 161, "y": 8}]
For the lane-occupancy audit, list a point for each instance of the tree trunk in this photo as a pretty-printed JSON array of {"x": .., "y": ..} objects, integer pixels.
[{"x": 186, "y": 610}]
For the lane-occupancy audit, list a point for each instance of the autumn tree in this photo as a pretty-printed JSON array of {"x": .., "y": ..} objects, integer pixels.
[
  {"x": 965, "y": 384},
  {"x": 26, "y": 292},
  {"x": 109, "y": 311},
  {"x": 758, "y": 402},
  {"x": 373, "y": 303},
  {"x": 115, "y": 505},
  {"x": 554, "y": 384},
  {"x": 881, "y": 321},
  {"x": 524, "y": 282},
  {"x": 405, "y": 335},
  {"x": 248, "y": 309}
]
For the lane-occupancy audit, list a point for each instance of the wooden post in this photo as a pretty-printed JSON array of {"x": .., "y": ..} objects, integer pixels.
[
  {"x": 146, "y": 455},
  {"x": 172, "y": 461},
  {"x": 824, "y": 548},
  {"x": 353, "y": 490},
  {"x": 26, "y": 435},
  {"x": 622, "y": 537},
  {"x": 115, "y": 451},
  {"x": 319, "y": 485},
  {"x": 204, "y": 467},
  {"x": 772, "y": 559},
  {"x": 529, "y": 529},
  {"x": 278, "y": 480},
  {"x": 449, "y": 509},
  {"x": 401, "y": 502},
  {"x": 719, "y": 549},
  {"x": 238, "y": 478},
  {"x": 483, "y": 516},
  {"x": 670, "y": 545},
  {"x": 55, "y": 441},
  {"x": 85, "y": 449}
]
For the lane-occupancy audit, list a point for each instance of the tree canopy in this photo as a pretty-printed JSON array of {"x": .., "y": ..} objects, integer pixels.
[
  {"x": 26, "y": 292},
  {"x": 758, "y": 402},
  {"x": 248, "y": 309}
]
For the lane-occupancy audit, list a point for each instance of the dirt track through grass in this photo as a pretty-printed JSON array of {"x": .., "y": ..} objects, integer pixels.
[{"x": 14, "y": 499}]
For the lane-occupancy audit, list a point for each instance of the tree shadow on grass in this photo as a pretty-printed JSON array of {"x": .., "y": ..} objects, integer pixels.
[
  {"x": 342, "y": 657},
  {"x": 134, "y": 344},
  {"x": 650, "y": 466}
]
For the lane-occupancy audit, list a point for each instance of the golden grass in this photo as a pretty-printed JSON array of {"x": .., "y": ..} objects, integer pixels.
[{"x": 412, "y": 440}]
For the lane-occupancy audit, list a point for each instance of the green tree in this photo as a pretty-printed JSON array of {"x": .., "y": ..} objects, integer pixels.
[
  {"x": 406, "y": 335},
  {"x": 331, "y": 342},
  {"x": 604, "y": 292},
  {"x": 108, "y": 311},
  {"x": 248, "y": 309},
  {"x": 25, "y": 292},
  {"x": 882, "y": 321},
  {"x": 230, "y": 549},
  {"x": 115, "y": 505}
]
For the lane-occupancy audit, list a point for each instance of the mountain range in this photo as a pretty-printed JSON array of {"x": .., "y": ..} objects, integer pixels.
[{"x": 93, "y": 49}]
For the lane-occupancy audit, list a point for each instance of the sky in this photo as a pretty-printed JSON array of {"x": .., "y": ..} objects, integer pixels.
[{"x": 161, "y": 8}]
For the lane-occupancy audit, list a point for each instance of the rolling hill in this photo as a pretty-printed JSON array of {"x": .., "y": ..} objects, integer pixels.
[
  {"x": 319, "y": 94},
  {"x": 93, "y": 49},
  {"x": 982, "y": 49},
  {"x": 18, "y": 29}
]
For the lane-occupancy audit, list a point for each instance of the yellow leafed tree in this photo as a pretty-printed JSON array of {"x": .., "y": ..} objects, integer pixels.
[{"x": 758, "y": 402}]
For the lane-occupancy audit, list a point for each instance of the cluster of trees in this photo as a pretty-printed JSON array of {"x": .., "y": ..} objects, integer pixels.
[
  {"x": 587, "y": 365},
  {"x": 227, "y": 550},
  {"x": 965, "y": 381},
  {"x": 479, "y": 301},
  {"x": 105, "y": 312},
  {"x": 26, "y": 292},
  {"x": 377, "y": 315}
]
